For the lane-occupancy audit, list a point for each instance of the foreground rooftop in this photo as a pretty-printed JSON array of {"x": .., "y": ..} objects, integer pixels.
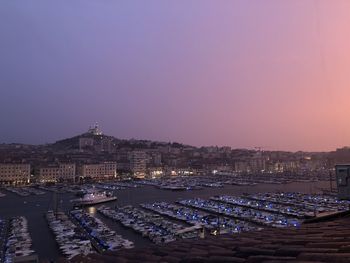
[{"x": 325, "y": 241}]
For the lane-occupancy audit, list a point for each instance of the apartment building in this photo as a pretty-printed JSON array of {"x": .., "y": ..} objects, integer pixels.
[
  {"x": 138, "y": 165},
  {"x": 57, "y": 172},
  {"x": 99, "y": 171},
  {"x": 11, "y": 173}
]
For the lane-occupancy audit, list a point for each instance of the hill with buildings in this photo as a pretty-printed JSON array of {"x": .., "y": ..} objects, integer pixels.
[{"x": 142, "y": 158}]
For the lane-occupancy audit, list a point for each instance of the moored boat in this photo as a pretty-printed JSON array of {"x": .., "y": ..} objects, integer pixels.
[{"x": 93, "y": 198}]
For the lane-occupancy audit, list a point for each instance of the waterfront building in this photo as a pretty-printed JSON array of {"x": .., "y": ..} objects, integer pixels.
[
  {"x": 257, "y": 164},
  {"x": 154, "y": 158},
  {"x": 155, "y": 172},
  {"x": 103, "y": 170},
  {"x": 174, "y": 171},
  {"x": 57, "y": 172},
  {"x": 11, "y": 173},
  {"x": 137, "y": 161},
  {"x": 185, "y": 171},
  {"x": 242, "y": 166}
]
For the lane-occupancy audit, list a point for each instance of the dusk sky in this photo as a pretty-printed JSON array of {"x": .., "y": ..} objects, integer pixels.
[{"x": 274, "y": 74}]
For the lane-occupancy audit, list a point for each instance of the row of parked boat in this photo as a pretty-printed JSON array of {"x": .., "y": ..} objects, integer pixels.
[
  {"x": 243, "y": 213},
  {"x": 71, "y": 240},
  {"x": 273, "y": 178},
  {"x": 18, "y": 242},
  {"x": 59, "y": 188},
  {"x": 153, "y": 226},
  {"x": 25, "y": 191},
  {"x": 166, "y": 185},
  {"x": 111, "y": 186},
  {"x": 183, "y": 183},
  {"x": 3, "y": 237},
  {"x": 213, "y": 223},
  {"x": 221, "y": 179},
  {"x": 105, "y": 238},
  {"x": 124, "y": 184},
  {"x": 305, "y": 202},
  {"x": 287, "y": 210}
]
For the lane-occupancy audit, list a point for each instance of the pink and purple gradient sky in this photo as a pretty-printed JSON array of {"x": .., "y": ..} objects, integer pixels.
[{"x": 203, "y": 72}]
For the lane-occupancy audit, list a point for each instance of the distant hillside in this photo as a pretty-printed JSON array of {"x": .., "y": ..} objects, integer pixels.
[{"x": 73, "y": 142}]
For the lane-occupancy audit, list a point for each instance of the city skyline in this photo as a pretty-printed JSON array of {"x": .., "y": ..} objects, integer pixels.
[{"x": 272, "y": 74}]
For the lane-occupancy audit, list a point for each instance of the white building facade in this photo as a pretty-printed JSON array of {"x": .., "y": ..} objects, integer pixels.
[
  {"x": 14, "y": 173},
  {"x": 57, "y": 172},
  {"x": 99, "y": 171}
]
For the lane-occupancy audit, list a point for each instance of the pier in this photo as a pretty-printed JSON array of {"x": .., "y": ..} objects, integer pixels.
[{"x": 246, "y": 214}]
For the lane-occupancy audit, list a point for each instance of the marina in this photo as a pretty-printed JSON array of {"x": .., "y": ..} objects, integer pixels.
[
  {"x": 305, "y": 202},
  {"x": 175, "y": 131},
  {"x": 3, "y": 237},
  {"x": 220, "y": 179},
  {"x": 124, "y": 185},
  {"x": 34, "y": 208},
  {"x": 105, "y": 238},
  {"x": 150, "y": 225},
  {"x": 212, "y": 223},
  {"x": 247, "y": 214},
  {"x": 18, "y": 243},
  {"x": 25, "y": 191},
  {"x": 235, "y": 178},
  {"x": 183, "y": 183},
  {"x": 287, "y": 210},
  {"x": 60, "y": 188},
  {"x": 71, "y": 240}
]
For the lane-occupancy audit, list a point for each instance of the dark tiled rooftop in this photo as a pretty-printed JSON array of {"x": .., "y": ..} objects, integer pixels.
[{"x": 315, "y": 242}]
